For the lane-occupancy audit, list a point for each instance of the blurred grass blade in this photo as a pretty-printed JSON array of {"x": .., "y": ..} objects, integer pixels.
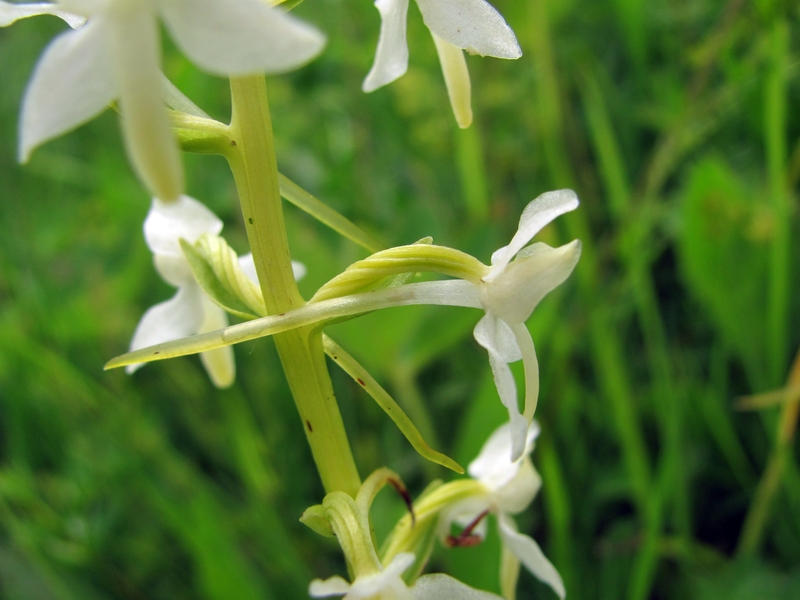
[
  {"x": 387, "y": 403},
  {"x": 326, "y": 215}
]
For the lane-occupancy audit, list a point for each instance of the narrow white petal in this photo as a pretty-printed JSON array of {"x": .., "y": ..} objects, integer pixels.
[
  {"x": 509, "y": 573},
  {"x": 519, "y": 288},
  {"x": 179, "y": 101},
  {"x": 72, "y": 82},
  {"x": 167, "y": 223},
  {"x": 496, "y": 336},
  {"x": 438, "y": 586},
  {"x": 536, "y": 215},
  {"x": 530, "y": 555},
  {"x": 151, "y": 146},
  {"x": 334, "y": 586},
  {"x": 493, "y": 466},
  {"x": 473, "y": 25},
  {"x": 240, "y": 37},
  {"x": 486, "y": 335},
  {"x": 176, "y": 318},
  {"x": 456, "y": 77},
  {"x": 10, "y": 13},
  {"x": 531, "y": 366},
  {"x": 391, "y": 57},
  {"x": 219, "y": 364}
]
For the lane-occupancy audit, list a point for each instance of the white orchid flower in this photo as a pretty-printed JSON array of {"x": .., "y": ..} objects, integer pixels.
[
  {"x": 117, "y": 53},
  {"x": 508, "y": 291},
  {"x": 190, "y": 311},
  {"x": 510, "y": 487},
  {"x": 471, "y": 25},
  {"x": 388, "y": 584}
]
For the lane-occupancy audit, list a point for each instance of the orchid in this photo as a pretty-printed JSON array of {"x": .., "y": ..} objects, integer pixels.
[
  {"x": 509, "y": 487},
  {"x": 471, "y": 25},
  {"x": 387, "y": 584},
  {"x": 508, "y": 291},
  {"x": 116, "y": 55},
  {"x": 190, "y": 311}
]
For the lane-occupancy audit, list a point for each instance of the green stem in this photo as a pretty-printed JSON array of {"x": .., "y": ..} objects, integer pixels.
[{"x": 252, "y": 160}]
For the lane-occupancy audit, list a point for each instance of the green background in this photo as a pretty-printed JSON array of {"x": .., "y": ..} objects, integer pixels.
[{"x": 675, "y": 122}]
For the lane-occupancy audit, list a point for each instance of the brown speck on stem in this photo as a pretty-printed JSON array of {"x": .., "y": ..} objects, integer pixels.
[
  {"x": 250, "y": 220},
  {"x": 308, "y": 424},
  {"x": 360, "y": 381}
]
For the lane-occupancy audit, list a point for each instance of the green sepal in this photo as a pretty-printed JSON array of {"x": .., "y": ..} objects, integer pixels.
[
  {"x": 216, "y": 268},
  {"x": 200, "y": 135},
  {"x": 316, "y": 518},
  {"x": 361, "y": 376}
]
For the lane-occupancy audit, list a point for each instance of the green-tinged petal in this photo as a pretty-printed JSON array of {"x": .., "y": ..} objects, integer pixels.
[
  {"x": 220, "y": 363},
  {"x": 326, "y": 215},
  {"x": 438, "y": 586},
  {"x": 10, "y": 13},
  {"x": 456, "y": 77},
  {"x": 531, "y": 365},
  {"x": 473, "y": 25},
  {"x": 530, "y": 554},
  {"x": 391, "y": 57},
  {"x": 240, "y": 37},
  {"x": 217, "y": 269},
  {"x": 73, "y": 82},
  {"x": 179, "y": 101},
  {"x": 152, "y": 148},
  {"x": 352, "y": 528},
  {"x": 387, "y": 403},
  {"x": 443, "y": 293},
  {"x": 509, "y": 574},
  {"x": 374, "y": 484},
  {"x": 333, "y": 586},
  {"x": 316, "y": 519}
]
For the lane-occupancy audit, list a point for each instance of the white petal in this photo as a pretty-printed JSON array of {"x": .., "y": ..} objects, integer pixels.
[
  {"x": 531, "y": 365},
  {"x": 517, "y": 494},
  {"x": 334, "y": 586},
  {"x": 9, "y": 13},
  {"x": 515, "y": 292},
  {"x": 387, "y": 583},
  {"x": 496, "y": 336},
  {"x": 167, "y": 223},
  {"x": 219, "y": 364},
  {"x": 175, "y": 270},
  {"x": 456, "y": 77},
  {"x": 493, "y": 466},
  {"x": 240, "y": 37},
  {"x": 438, "y": 586},
  {"x": 73, "y": 81},
  {"x": 536, "y": 215},
  {"x": 530, "y": 555},
  {"x": 391, "y": 57},
  {"x": 151, "y": 146},
  {"x": 486, "y": 334},
  {"x": 176, "y": 318},
  {"x": 298, "y": 270},
  {"x": 473, "y": 25},
  {"x": 249, "y": 268}
]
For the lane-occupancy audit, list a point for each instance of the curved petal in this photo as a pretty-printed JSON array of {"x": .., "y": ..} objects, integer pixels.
[
  {"x": 391, "y": 57},
  {"x": 531, "y": 366},
  {"x": 176, "y": 318},
  {"x": 10, "y": 13},
  {"x": 530, "y": 555},
  {"x": 517, "y": 494},
  {"x": 220, "y": 363},
  {"x": 240, "y": 37},
  {"x": 73, "y": 81},
  {"x": 167, "y": 223},
  {"x": 473, "y": 25},
  {"x": 438, "y": 586},
  {"x": 515, "y": 292},
  {"x": 492, "y": 466},
  {"x": 537, "y": 214},
  {"x": 456, "y": 78},
  {"x": 333, "y": 586},
  {"x": 152, "y": 148},
  {"x": 487, "y": 334}
]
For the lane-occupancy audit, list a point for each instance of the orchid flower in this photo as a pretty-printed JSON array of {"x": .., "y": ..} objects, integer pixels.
[
  {"x": 190, "y": 311},
  {"x": 471, "y": 25},
  {"x": 508, "y": 291},
  {"x": 509, "y": 488},
  {"x": 116, "y": 55}
]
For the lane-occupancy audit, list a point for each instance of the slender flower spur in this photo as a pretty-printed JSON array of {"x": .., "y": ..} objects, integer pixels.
[
  {"x": 116, "y": 55},
  {"x": 471, "y": 25},
  {"x": 510, "y": 487}
]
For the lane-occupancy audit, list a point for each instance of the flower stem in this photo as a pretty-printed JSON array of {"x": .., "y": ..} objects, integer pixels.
[{"x": 252, "y": 160}]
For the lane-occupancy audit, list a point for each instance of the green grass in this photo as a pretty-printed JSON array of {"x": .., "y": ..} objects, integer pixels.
[{"x": 673, "y": 121}]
